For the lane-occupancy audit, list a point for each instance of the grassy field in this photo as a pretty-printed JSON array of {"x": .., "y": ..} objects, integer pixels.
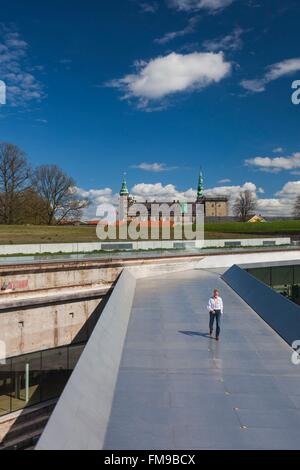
[
  {"x": 280, "y": 227},
  {"x": 17, "y": 234}
]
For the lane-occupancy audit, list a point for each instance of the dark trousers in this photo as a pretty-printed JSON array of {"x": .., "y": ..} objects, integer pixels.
[{"x": 215, "y": 317}]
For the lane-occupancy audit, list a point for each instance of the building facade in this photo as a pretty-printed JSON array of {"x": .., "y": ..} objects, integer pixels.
[{"x": 213, "y": 207}]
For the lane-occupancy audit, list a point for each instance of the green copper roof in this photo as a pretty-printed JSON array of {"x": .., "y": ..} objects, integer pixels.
[
  {"x": 124, "y": 190},
  {"x": 200, "y": 191}
]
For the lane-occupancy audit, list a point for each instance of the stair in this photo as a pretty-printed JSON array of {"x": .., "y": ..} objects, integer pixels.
[{"x": 27, "y": 427}]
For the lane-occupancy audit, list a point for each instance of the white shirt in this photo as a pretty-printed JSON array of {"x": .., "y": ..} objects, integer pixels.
[{"x": 215, "y": 304}]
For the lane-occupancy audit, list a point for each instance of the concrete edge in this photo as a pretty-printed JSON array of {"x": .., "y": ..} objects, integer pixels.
[
  {"x": 282, "y": 315},
  {"x": 48, "y": 299},
  {"x": 80, "y": 419},
  {"x": 230, "y": 259},
  {"x": 144, "y": 271}
]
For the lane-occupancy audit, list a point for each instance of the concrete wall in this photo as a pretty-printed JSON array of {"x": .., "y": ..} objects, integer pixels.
[
  {"x": 26, "y": 278},
  {"x": 146, "y": 245},
  {"x": 280, "y": 313},
  {"x": 34, "y": 329}
]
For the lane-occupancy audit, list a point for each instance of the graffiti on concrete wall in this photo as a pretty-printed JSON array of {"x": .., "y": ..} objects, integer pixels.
[{"x": 11, "y": 286}]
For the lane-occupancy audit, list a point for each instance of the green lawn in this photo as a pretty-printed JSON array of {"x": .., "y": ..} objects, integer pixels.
[
  {"x": 281, "y": 227},
  {"x": 27, "y": 234},
  {"x": 18, "y": 234}
]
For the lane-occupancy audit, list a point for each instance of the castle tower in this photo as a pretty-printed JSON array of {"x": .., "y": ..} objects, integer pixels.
[
  {"x": 200, "y": 190},
  {"x": 123, "y": 201}
]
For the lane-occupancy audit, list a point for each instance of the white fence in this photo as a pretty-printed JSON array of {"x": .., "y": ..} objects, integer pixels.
[{"x": 70, "y": 248}]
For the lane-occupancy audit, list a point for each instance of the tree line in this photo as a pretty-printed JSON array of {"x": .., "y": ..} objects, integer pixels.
[{"x": 44, "y": 195}]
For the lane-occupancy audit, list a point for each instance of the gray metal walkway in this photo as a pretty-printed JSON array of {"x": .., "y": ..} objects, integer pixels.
[{"x": 179, "y": 389}]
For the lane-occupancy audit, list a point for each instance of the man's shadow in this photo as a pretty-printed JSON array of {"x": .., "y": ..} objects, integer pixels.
[{"x": 195, "y": 333}]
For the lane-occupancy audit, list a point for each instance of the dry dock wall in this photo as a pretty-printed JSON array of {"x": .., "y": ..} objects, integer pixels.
[
  {"x": 51, "y": 276},
  {"x": 27, "y": 330}
]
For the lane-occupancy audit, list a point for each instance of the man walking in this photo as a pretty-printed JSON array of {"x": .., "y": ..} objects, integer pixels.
[{"x": 216, "y": 310}]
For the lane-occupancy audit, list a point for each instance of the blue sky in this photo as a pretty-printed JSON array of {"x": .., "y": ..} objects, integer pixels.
[{"x": 156, "y": 89}]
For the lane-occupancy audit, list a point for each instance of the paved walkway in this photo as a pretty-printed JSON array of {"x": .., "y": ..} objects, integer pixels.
[{"x": 179, "y": 389}]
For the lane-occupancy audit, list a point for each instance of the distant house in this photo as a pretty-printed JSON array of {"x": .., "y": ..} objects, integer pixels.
[{"x": 256, "y": 219}]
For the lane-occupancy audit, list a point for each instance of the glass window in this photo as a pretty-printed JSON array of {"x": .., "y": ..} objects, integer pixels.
[
  {"x": 297, "y": 274},
  {"x": 262, "y": 274},
  {"x": 282, "y": 275},
  {"x": 29, "y": 379},
  {"x": 55, "y": 373},
  {"x": 26, "y": 379},
  {"x": 5, "y": 388},
  {"x": 74, "y": 355}
]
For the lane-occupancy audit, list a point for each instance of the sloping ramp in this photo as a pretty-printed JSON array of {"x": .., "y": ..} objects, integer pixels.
[{"x": 178, "y": 389}]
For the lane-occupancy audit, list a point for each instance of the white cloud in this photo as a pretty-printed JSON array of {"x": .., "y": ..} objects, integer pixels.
[
  {"x": 210, "y": 5},
  {"x": 149, "y": 7},
  {"x": 283, "y": 205},
  {"x": 174, "y": 73},
  {"x": 154, "y": 167},
  {"x": 22, "y": 86},
  {"x": 190, "y": 28},
  {"x": 231, "y": 42},
  {"x": 277, "y": 164},
  {"x": 159, "y": 192},
  {"x": 95, "y": 198},
  {"x": 231, "y": 192},
  {"x": 169, "y": 192},
  {"x": 290, "y": 190},
  {"x": 273, "y": 72},
  {"x": 224, "y": 181},
  {"x": 278, "y": 150},
  {"x": 274, "y": 207}
]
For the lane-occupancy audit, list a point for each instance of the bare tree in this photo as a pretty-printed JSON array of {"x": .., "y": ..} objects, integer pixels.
[
  {"x": 296, "y": 211},
  {"x": 245, "y": 206},
  {"x": 56, "y": 189},
  {"x": 14, "y": 179}
]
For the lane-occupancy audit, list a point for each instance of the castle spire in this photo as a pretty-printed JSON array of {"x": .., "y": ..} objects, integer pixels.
[
  {"x": 200, "y": 191},
  {"x": 124, "y": 190}
]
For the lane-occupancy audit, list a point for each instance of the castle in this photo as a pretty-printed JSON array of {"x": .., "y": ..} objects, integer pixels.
[{"x": 213, "y": 206}]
